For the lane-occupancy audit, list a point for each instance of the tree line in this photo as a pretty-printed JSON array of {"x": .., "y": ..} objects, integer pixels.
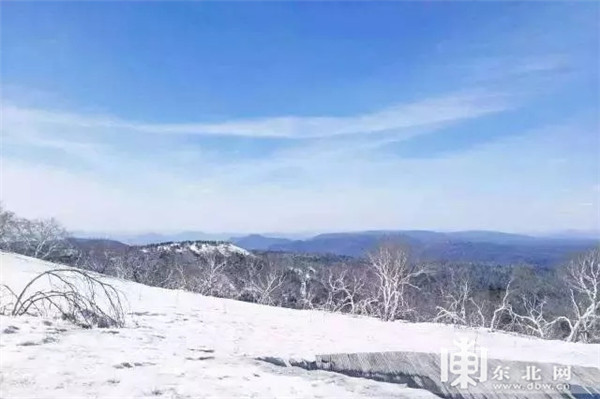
[{"x": 560, "y": 303}]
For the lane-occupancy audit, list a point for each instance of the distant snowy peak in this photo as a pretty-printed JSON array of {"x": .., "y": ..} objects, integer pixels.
[{"x": 197, "y": 248}]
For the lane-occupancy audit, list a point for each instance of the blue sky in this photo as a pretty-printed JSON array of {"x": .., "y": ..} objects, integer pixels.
[{"x": 269, "y": 116}]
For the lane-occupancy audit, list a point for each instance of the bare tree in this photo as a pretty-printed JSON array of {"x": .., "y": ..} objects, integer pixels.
[
  {"x": 457, "y": 303},
  {"x": 461, "y": 303},
  {"x": 346, "y": 291},
  {"x": 99, "y": 262},
  {"x": 395, "y": 274},
  {"x": 37, "y": 238},
  {"x": 8, "y": 229},
  {"x": 533, "y": 318},
  {"x": 265, "y": 282},
  {"x": 503, "y": 308},
  {"x": 530, "y": 313},
  {"x": 210, "y": 277},
  {"x": 140, "y": 267},
  {"x": 309, "y": 289},
  {"x": 40, "y": 239},
  {"x": 181, "y": 277},
  {"x": 583, "y": 282}
]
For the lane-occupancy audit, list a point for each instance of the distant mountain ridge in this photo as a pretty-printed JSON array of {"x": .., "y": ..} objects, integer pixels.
[
  {"x": 152, "y": 238},
  {"x": 490, "y": 247},
  {"x": 259, "y": 242},
  {"x": 463, "y": 246},
  {"x": 156, "y": 238}
]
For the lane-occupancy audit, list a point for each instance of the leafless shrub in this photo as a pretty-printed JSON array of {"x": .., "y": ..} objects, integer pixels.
[{"x": 76, "y": 295}]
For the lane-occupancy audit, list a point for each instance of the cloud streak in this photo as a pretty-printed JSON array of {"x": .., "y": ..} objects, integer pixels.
[{"x": 429, "y": 112}]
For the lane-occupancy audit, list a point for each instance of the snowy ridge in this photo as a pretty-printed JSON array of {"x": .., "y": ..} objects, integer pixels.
[
  {"x": 179, "y": 344},
  {"x": 197, "y": 248}
]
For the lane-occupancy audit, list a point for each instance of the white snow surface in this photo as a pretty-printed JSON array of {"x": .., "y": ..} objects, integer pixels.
[
  {"x": 198, "y": 247},
  {"x": 183, "y": 345}
]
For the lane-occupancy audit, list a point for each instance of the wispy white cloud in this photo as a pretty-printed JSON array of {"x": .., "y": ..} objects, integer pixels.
[
  {"x": 428, "y": 112},
  {"x": 119, "y": 146}
]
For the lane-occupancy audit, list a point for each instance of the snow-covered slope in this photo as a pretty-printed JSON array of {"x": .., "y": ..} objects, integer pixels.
[
  {"x": 183, "y": 345},
  {"x": 196, "y": 247}
]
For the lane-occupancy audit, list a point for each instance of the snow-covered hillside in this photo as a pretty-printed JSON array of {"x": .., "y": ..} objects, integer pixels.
[
  {"x": 183, "y": 345},
  {"x": 196, "y": 247}
]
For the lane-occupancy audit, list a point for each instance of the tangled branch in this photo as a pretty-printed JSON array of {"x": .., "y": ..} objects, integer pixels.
[{"x": 75, "y": 294}]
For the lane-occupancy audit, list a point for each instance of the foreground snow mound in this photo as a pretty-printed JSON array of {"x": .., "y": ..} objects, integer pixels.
[{"x": 181, "y": 344}]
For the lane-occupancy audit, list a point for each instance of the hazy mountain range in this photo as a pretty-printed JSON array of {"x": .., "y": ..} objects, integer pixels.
[
  {"x": 155, "y": 238},
  {"x": 462, "y": 246}
]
